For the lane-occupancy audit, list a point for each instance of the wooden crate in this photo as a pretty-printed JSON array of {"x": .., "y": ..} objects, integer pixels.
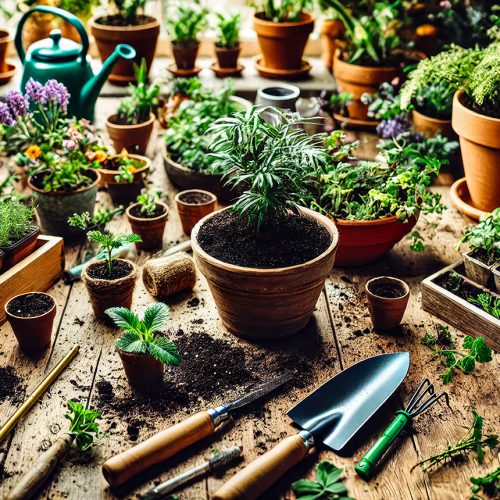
[
  {"x": 458, "y": 312},
  {"x": 36, "y": 273}
]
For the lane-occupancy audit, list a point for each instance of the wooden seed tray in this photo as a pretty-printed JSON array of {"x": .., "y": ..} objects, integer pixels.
[
  {"x": 36, "y": 273},
  {"x": 458, "y": 312}
]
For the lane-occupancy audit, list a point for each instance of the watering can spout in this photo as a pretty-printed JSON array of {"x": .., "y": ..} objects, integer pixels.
[{"x": 91, "y": 89}]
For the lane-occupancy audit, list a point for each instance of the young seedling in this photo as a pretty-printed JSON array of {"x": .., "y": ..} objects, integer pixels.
[
  {"x": 228, "y": 27},
  {"x": 147, "y": 202},
  {"x": 86, "y": 222},
  {"x": 489, "y": 484}
]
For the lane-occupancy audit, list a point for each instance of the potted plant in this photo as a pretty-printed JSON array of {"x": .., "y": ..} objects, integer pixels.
[
  {"x": 332, "y": 34},
  {"x": 484, "y": 245},
  {"x": 143, "y": 350},
  {"x": 184, "y": 27},
  {"x": 126, "y": 24},
  {"x": 31, "y": 316},
  {"x": 147, "y": 218},
  {"x": 282, "y": 32},
  {"x": 193, "y": 205},
  {"x": 227, "y": 46},
  {"x": 83, "y": 9},
  {"x": 265, "y": 257},
  {"x": 110, "y": 282},
  {"x": 180, "y": 90},
  {"x": 17, "y": 233},
  {"x": 475, "y": 117},
  {"x": 131, "y": 127}
]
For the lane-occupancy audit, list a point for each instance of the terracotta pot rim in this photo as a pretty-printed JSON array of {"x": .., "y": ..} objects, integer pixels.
[
  {"x": 136, "y": 157},
  {"x": 375, "y": 222},
  {"x": 325, "y": 221},
  {"x": 54, "y": 305},
  {"x": 457, "y": 99},
  {"x": 111, "y": 124},
  {"x": 66, "y": 193},
  {"x": 94, "y": 23},
  {"x": 147, "y": 219},
  {"x": 5, "y": 36},
  {"x": 212, "y": 196},
  {"x": 133, "y": 273},
  {"x": 360, "y": 67},
  {"x": 307, "y": 19},
  {"x": 438, "y": 121},
  {"x": 392, "y": 279}
]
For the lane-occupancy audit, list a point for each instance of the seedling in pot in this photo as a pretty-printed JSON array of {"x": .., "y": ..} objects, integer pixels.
[
  {"x": 148, "y": 202},
  {"x": 98, "y": 221},
  {"x": 227, "y": 46}
]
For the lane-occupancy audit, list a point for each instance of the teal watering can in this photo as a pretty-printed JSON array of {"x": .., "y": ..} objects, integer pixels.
[{"x": 67, "y": 62}]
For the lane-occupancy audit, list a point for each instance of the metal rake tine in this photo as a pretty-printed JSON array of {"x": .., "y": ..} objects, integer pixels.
[
  {"x": 429, "y": 402},
  {"x": 419, "y": 394}
]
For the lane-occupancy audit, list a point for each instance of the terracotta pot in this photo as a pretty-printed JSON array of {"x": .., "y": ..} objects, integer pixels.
[
  {"x": 386, "y": 312},
  {"x": 191, "y": 213},
  {"x": 35, "y": 332},
  {"x": 266, "y": 303},
  {"x": 480, "y": 146},
  {"x": 5, "y": 40},
  {"x": 185, "y": 54},
  {"x": 105, "y": 293},
  {"x": 149, "y": 229},
  {"x": 141, "y": 370},
  {"x": 476, "y": 270},
  {"x": 20, "y": 249},
  {"x": 133, "y": 138},
  {"x": 54, "y": 208},
  {"x": 332, "y": 31},
  {"x": 362, "y": 242},
  {"x": 282, "y": 44},
  {"x": 357, "y": 80},
  {"x": 142, "y": 38},
  {"x": 227, "y": 57},
  {"x": 431, "y": 126},
  {"x": 107, "y": 175}
]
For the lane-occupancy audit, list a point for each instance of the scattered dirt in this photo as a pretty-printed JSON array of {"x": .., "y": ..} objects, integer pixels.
[
  {"x": 30, "y": 305},
  {"x": 120, "y": 269},
  {"x": 195, "y": 198},
  {"x": 136, "y": 212},
  {"x": 11, "y": 387}
]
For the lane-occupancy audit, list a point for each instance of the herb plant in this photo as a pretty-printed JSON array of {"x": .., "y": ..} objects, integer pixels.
[
  {"x": 488, "y": 484},
  {"x": 147, "y": 202},
  {"x": 228, "y": 30},
  {"x": 129, "y": 10},
  {"x": 86, "y": 222},
  {"x": 472, "y": 441},
  {"x": 141, "y": 336},
  {"x": 81, "y": 8},
  {"x": 435, "y": 100},
  {"x": 273, "y": 162},
  {"x": 15, "y": 221},
  {"x": 188, "y": 22},
  {"x": 338, "y": 102},
  {"x": 327, "y": 486},
  {"x": 282, "y": 11},
  {"x": 488, "y": 303},
  {"x": 83, "y": 426}
]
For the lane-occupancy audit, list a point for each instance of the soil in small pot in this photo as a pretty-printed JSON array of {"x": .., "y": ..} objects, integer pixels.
[
  {"x": 292, "y": 241},
  {"x": 99, "y": 271},
  {"x": 117, "y": 20},
  {"x": 30, "y": 305},
  {"x": 387, "y": 290},
  {"x": 195, "y": 198},
  {"x": 482, "y": 256},
  {"x": 136, "y": 212}
]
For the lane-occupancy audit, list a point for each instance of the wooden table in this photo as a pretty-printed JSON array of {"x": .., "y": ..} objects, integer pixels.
[{"x": 339, "y": 335}]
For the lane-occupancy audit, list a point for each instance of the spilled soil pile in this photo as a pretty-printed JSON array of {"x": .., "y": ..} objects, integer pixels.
[{"x": 11, "y": 387}]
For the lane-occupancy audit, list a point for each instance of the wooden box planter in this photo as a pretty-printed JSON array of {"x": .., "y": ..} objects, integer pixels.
[
  {"x": 458, "y": 312},
  {"x": 35, "y": 273}
]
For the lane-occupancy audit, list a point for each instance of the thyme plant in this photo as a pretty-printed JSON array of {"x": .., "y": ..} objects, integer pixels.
[{"x": 15, "y": 221}]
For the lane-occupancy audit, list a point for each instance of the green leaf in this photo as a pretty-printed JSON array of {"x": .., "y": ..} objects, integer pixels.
[
  {"x": 155, "y": 316},
  {"x": 124, "y": 318},
  {"x": 327, "y": 473},
  {"x": 165, "y": 351},
  {"x": 133, "y": 343},
  {"x": 306, "y": 487}
]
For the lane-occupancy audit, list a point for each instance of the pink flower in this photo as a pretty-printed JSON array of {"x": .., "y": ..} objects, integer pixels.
[{"x": 69, "y": 144}]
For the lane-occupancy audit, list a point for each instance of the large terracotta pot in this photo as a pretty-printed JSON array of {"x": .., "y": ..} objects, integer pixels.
[
  {"x": 431, "y": 126},
  {"x": 133, "y": 138},
  {"x": 480, "y": 146},
  {"x": 142, "y": 38},
  {"x": 357, "y": 80},
  {"x": 282, "y": 44},
  {"x": 5, "y": 40},
  {"x": 266, "y": 303},
  {"x": 362, "y": 242},
  {"x": 332, "y": 32}
]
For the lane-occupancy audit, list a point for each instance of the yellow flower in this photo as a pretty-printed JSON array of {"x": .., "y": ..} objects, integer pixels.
[
  {"x": 426, "y": 30},
  {"x": 132, "y": 169},
  {"x": 33, "y": 152},
  {"x": 124, "y": 153},
  {"x": 100, "y": 156}
]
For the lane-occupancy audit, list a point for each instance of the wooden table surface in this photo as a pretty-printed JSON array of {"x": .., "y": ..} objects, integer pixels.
[{"x": 338, "y": 336}]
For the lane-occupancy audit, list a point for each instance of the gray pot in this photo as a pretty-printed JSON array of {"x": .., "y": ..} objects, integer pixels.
[
  {"x": 54, "y": 208},
  {"x": 477, "y": 271},
  {"x": 279, "y": 95}
]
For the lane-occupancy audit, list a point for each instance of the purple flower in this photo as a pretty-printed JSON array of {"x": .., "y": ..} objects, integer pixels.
[
  {"x": 34, "y": 91},
  {"x": 6, "y": 115},
  {"x": 18, "y": 104},
  {"x": 387, "y": 129},
  {"x": 57, "y": 93}
]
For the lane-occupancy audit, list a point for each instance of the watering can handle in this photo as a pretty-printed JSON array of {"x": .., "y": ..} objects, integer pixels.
[{"x": 56, "y": 12}]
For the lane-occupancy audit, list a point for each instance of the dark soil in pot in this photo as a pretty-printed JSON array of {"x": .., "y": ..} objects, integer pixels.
[
  {"x": 195, "y": 198},
  {"x": 30, "y": 304},
  {"x": 136, "y": 212},
  {"x": 120, "y": 269},
  {"x": 295, "y": 240},
  {"x": 388, "y": 290},
  {"x": 150, "y": 227},
  {"x": 117, "y": 20},
  {"x": 482, "y": 255}
]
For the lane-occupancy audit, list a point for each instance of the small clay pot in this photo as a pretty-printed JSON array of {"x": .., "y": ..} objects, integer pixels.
[
  {"x": 107, "y": 175},
  {"x": 20, "y": 249},
  {"x": 33, "y": 333},
  {"x": 191, "y": 213},
  {"x": 105, "y": 293},
  {"x": 149, "y": 229},
  {"x": 185, "y": 54},
  {"x": 430, "y": 126},
  {"x": 387, "y": 301},
  {"x": 141, "y": 370},
  {"x": 133, "y": 138},
  {"x": 227, "y": 57}
]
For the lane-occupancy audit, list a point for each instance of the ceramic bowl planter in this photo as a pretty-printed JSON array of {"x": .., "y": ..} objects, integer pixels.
[
  {"x": 20, "y": 249},
  {"x": 480, "y": 146},
  {"x": 142, "y": 370},
  {"x": 227, "y": 57},
  {"x": 280, "y": 95},
  {"x": 266, "y": 303},
  {"x": 332, "y": 31},
  {"x": 142, "y": 37},
  {"x": 185, "y": 54},
  {"x": 31, "y": 316},
  {"x": 133, "y": 138},
  {"x": 430, "y": 126},
  {"x": 105, "y": 293},
  {"x": 150, "y": 229},
  {"x": 193, "y": 205},
  {"x": 387, "y": 300},
  {"x": 477, "y": 270},
  {"x": 55, "y": 207}
]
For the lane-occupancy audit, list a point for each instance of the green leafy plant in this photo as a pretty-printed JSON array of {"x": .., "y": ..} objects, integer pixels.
[
  {"x": 282, "y": 11},
  {"x": 228, "y": 30},
  {"x": 384, "y": 104},
  {"x": 108, "y": 242},
  {"x": 83, "y": 427},
  {"x": 15, "y": 221},
  {"x": 81, "y": 8},
  {"x": 488, "y": 484},
  {"x": 143, "y": 99},
  {"x": 338, "y": 102},
  {"x": 327, "y": 486},
  {"x": 472, "y": 441},
  {"x": 129, "y": 10},
  {"x": 273, "y": 162},
  {"x": 435, "y": 100},
  {"x": 186, "y": 87},
  {"x": 188, "y": 22},
  {"x": 488, "y": 303},
  {"x": 141, "y": 336},
  {"x": 441, "y": 336},
  {"x": 127, "y": 167},
  {"x": 101, "y": 217},
  {"x": 147, "y": 202}
]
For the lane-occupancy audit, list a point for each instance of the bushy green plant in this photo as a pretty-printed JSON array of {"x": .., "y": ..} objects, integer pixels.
[
  {"x": 15, "y": 221},
  {"x": 188, "y": 22},
  {"x": 147, "y": 202},
  {"x": 129, "y": 10},
  {"x": 83, "y": 427},
  {"x": 273, "y": 162},
  {"x": 435, "y": 100},
  {"x": 81, "y": 8},
  {"x": 385, "y": 104},
  {"x": 185, "y": 87},
  {"x": 282, "y": 11},
  {"x": 143, "y": 99},
  {"x": 101, "y": 217},
  {"x": 228, "y": 30},
  {"x": 141, "y": 336}
]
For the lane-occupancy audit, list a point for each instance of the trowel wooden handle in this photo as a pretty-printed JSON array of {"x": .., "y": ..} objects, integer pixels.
[
  {"x": 262, "y": 473},
  {"x": 157, "y": 448}
]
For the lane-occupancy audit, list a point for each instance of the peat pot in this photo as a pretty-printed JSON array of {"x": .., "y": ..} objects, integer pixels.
[
  {"x": 133, "y": 138},
  {"x": 55, "y": 207},
  {"x": 141, "y": 370},
  {"x": 430, "y": 126},
  {"x": 480, "y": 146},
  {"x": 20, "y": 249},
  {"x": 150, "y": 229},
  {"x": 266, "y": 304}
]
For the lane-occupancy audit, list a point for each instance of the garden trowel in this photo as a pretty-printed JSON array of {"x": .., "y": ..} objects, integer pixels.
[{"x": 332, "y": 414}]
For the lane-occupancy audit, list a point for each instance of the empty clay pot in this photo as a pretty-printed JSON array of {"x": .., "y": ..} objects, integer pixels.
[
  {"x": 141, "y": 370},
  {"x": 227, "y": 57},
  {"x": 149, "y": 229},
  {"x": 32, "y": 332},
  {"x": 185, "y": 54},
  {"x": 387, "y": 301},
  {"x": 133, "y": 138},
  {"x": 190, "y": 213}
]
